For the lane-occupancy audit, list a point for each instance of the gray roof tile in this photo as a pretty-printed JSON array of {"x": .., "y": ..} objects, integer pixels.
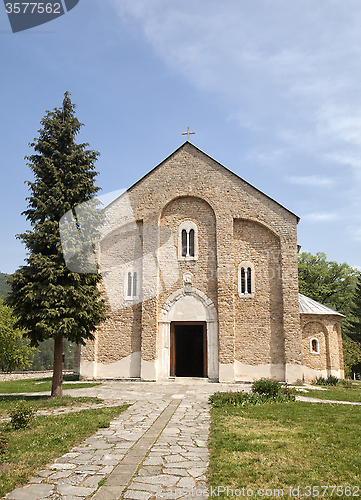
[{"x": 310, "y": 306}]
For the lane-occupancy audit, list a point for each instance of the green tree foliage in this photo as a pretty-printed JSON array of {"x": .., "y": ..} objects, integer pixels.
[
  {"x": 15, "y": 351},
  {"x": 354, "y": 324},
  {"x": 327, "y": 282},
  {"x": 351, "y": 356},
  {"x": 50, "y": 300},
  {"x": 4, "y": 287}
]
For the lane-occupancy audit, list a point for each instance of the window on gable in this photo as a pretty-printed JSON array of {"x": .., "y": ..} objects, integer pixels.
[
  {"x": 314, "y": 346},
  {"x": 246, "y": 279},
  {"x": 188, "y": 241},
  {"x": 131, "y": 285},
  {"x": 191, "y": 243}
]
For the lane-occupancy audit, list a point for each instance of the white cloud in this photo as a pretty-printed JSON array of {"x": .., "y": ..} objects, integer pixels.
[
  {"x": 321, "y": 217},
  {"x": 288, "y": 72},
  {"x": 311, "y": 180},
  {"x": 345, "y": 159},
  {"x": 277, "y": 65},
  {"x": 343, "y": 123}
]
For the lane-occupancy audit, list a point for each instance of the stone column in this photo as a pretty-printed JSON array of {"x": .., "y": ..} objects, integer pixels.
[
  {"x": 291, "y": 312},
  {"x": 164, "y": 350},
  {"x": 150, "y": 288},
  {"x": 212, "y": 349},
  {"x": 225, "y": 278},
  {"x": 334, "y": 345}
]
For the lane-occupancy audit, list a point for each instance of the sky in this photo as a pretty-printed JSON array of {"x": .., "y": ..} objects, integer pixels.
[{"x": 271, "y": 89}]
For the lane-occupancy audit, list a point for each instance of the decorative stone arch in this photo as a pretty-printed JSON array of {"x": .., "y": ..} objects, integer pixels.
[
  {"x": 314, "y": 329},
  {"x": 198, "y": 307},
  {"x": 311, "y": 322},
  {"x": 194, "y": 196}
]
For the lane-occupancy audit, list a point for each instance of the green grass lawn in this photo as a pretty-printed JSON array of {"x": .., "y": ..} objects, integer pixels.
[
  {"x": 336, "y": 393},
  {"x": 39, "y": 385},
  {"x": 42, "y": 402},
  {"x": 49, "y": 437},
  {"x": 285, "y": 445}
]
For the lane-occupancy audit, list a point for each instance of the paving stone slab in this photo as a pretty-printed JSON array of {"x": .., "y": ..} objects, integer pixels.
[
  {"x": 119, "y": 479},
  {"x": 149, "y": 470},
  {"x": 31, "y": 492},
  {"x": 176, "y": 472},
  {"x": 137, "y": 495},
  {"x": 108, "y": 493},
  {"x": 151, "y": 488},
  {"x": 153, "y": 461},
  {"x": 63, "y": 466},
  {"x": 67, "y": 489},
  {"x": 162, "y": 479}
]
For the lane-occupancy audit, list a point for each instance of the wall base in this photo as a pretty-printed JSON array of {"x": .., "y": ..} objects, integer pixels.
[{"x": 253, "y": 372}]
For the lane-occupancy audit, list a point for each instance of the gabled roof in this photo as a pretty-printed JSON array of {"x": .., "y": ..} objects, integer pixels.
[
  {"x": 310, "y": 306},
  {"x": 205, "y": 154}
]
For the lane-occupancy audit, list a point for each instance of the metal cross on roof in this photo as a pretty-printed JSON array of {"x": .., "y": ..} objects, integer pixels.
[{"x": 188, "y": 133}]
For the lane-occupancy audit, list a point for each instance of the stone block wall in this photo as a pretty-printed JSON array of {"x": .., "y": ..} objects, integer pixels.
[
  {"x": 234, "y": 220},
  {"x": 327, "y": 330},
  {"x": 259, "y": 318}
]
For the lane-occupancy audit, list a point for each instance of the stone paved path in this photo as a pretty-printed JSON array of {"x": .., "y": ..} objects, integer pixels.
[{"x": 157, "y": 448}]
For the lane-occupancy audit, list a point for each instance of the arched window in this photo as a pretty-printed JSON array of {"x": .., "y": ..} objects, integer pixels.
[
  {"x": 314, "y": 346},
  {"x": 246, "y": 279},
  {"x": 188, "y": 241},
  {"x": 131, "y": 284}
]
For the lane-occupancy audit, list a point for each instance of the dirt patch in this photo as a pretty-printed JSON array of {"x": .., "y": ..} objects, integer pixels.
[{"x": 4, "y": 466}]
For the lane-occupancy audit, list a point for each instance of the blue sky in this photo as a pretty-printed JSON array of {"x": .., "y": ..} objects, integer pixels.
[{"x": 271, "y": 88}]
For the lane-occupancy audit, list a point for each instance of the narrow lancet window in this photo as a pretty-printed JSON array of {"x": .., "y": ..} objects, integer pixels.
[
  {"x": 184, "y": 243},
  {"x": 188, "y": 241},
  {"x": 131, "y": 285},
  {"x": 249, "y": 280},
  {"x": 243, "y": 280},
  {"x": 191, "y": 243},
  {"x": 246, "y": 279}
]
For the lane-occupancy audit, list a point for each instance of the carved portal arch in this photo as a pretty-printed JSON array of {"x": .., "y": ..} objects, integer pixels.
[{"x": 188, "y": 304}]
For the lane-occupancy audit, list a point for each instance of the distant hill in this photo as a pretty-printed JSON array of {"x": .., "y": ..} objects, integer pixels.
[{"x": 4, "y": 287}]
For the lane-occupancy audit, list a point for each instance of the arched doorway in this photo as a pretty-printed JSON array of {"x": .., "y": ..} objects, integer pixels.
[
  {"x": 188, "y": 326},
  {"x": 188, "y": 349}
]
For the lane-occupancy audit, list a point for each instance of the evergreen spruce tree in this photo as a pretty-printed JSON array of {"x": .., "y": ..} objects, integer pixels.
[
  {"x": 354, "y": 326},
  {"x": 51, "y": 300}
]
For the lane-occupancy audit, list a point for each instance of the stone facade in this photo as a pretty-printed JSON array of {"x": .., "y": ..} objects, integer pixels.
[
  {"x": 325, "y": 356},
  {"x": 192, "y": 243}
]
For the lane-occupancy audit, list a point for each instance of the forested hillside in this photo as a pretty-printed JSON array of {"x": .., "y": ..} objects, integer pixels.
[{"x": 43, "y": 356}]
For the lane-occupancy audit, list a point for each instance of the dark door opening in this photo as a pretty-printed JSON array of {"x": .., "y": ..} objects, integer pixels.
[{"x": 188, "y": 349}]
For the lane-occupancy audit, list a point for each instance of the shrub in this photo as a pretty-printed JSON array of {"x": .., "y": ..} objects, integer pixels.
[
  {"x": 219, "y": 399},
  {"x": 266, "y": 386},
  {"x": 3, "y": 443},
  {"x": 21, "y": 415},
  {"x": 283, "y": 394},
  {"x": 330, "y": 380}
]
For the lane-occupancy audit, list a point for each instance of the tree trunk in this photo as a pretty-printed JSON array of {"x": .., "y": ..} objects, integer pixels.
[{"x": 57, "y": 387}]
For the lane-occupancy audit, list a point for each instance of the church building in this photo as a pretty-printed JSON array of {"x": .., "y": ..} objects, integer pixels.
[{"x": 200, "y": 274}]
